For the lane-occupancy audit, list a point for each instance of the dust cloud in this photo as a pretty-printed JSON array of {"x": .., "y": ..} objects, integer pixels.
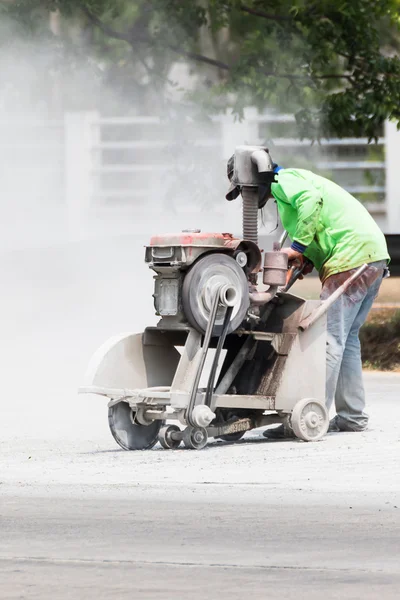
[
  {"x": 68, "y": 286},
  {"x": 63, "y": 292}
]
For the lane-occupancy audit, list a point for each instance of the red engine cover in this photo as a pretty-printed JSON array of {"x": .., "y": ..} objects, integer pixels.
[
  {"x": 198, "y": 243},
  {"x": 185, "y": 238}
]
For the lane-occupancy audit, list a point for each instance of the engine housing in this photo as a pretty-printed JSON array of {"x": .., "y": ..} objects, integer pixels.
[{"x": 171, "y": 255}]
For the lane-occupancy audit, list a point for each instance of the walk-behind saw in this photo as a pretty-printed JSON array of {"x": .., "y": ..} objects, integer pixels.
[{"x": 225, "y": 357}]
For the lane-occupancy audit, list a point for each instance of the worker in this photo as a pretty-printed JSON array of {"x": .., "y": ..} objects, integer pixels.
[{"x": 332, "y": 229}]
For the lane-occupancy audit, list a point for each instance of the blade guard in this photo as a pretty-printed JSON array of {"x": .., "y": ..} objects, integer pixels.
[{"x": 131, "y": 361}]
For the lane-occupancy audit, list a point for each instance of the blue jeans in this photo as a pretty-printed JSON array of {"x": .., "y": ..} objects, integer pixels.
[{"x": 344, "y": 383}]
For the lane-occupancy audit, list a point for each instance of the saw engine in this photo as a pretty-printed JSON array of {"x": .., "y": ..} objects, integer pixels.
[{"x": 192, "y": 267}]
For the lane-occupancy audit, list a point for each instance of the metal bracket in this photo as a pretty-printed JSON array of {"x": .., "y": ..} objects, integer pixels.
[{"x": 281, "y": 342}]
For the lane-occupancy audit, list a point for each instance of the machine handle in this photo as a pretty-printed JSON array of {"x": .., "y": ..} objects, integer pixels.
[
  {"x": 282, "y": 239},
  {"x": 294, "y": 273},
  {"x": 324, "y": 306}
]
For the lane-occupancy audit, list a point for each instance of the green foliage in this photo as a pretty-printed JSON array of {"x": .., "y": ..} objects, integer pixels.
[{"x": 333, "y": 64}]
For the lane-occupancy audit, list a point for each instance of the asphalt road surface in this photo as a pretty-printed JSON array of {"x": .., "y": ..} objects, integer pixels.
[
  {"x": 80, "y": 518},
  {"x": 225, "y": 547}
]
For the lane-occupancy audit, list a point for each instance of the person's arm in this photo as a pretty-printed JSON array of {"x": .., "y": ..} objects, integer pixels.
[{"x": 308, "y": 203}]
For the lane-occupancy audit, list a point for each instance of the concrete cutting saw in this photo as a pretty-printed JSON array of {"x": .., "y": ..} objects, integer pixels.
[{"x": 227, "y": 355}]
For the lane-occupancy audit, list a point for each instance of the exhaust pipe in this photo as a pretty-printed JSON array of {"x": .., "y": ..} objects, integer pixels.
[
  {"x": 250, "y": 213},
  {"x": 262, "y": 160},
  {"x": 250, "y": 232},
  {"x": 250, "y": 197},
  {"x": 249, "y": 163}
]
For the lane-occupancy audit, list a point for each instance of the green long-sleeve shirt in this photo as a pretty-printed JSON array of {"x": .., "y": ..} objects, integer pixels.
[{"x": 337, "y": 230}]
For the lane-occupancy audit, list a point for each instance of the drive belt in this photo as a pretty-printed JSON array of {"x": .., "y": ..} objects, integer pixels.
[{"x": 204, "y": 351}]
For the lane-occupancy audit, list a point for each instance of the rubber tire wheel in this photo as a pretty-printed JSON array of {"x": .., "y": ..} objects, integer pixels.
[
  {"x": 300, "y": 428},
  {"x": 191, "y": 292},
  {"x": 189, "y": 440},
  {"x": 128, "y": 435},
  {"x": 232, "y": 437},
  {"x": 166, "y": 443}
]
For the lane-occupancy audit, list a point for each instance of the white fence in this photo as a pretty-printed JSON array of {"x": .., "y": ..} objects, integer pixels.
[
  {"x": 89, "y": 171},
  {"x": 119, "y": 164}
]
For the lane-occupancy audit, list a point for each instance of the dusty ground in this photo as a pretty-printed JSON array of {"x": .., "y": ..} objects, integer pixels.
[
  {"x": 81, "y": 518},
  {"x": 73, "y": 449}
]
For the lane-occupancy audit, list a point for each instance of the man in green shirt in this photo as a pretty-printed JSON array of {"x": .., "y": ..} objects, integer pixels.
[
  {"x": 325, "y": 223},
  {"x": 337, "y": 234}
]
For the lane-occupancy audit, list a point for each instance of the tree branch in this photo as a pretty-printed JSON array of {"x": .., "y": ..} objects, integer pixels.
[
  {"x": 117, "y": 35},
  {"x": 200, "y": 58},
  {"x": 260, "y": 13},
  {"x": 293, "y": 76},
  {"x": 334, "y": 76},
  {"x": 131, "y": 38}
]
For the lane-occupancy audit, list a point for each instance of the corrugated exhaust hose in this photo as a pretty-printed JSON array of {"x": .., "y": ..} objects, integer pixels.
[{"x": 250, "y": 214}]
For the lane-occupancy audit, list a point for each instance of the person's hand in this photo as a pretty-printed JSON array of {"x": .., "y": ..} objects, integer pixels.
[
  {"x": 296, "y": 260},
  {"x": 308, "y": 267},
  {"x": 293, "y": 255}
]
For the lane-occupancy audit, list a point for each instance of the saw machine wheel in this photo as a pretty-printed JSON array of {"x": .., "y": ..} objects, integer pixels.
[
  {"x": 195, "y": 437},
  {"x": 165, "y": 438},
  {"x": 128, "y": 434},
  {"x": 309, "y": 420},
  {"x": 199, "y": 287}
]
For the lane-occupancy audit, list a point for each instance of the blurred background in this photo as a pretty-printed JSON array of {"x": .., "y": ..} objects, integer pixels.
[{"x": 116, "y": 122}]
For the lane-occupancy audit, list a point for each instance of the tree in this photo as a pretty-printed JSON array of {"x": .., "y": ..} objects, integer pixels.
[{"x": 334, "y": 64}]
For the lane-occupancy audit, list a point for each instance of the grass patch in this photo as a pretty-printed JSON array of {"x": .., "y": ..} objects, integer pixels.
[{"x": 380, "y": 340}]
